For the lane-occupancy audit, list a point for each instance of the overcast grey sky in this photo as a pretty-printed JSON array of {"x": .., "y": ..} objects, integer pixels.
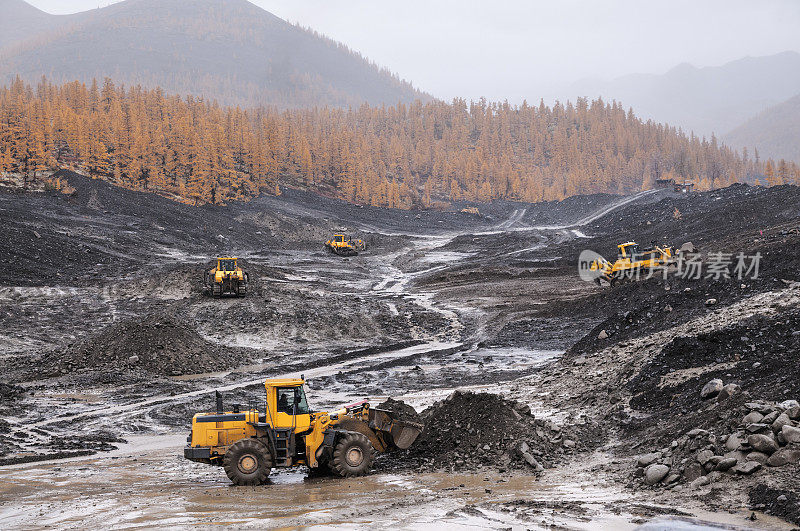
[{"x": 515, "y": 49}]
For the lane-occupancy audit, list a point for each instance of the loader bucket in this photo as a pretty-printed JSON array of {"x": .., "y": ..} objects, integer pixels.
[
  {"x": 401, "y": 433},
  {"x": 404, "y": 434}
]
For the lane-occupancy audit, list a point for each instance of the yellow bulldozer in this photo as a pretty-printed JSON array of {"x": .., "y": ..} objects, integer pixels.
[
  {"x": 249, "y": 444},
  {"x": 345, "y": 245},
  {"x": 227, "y": 278},
  {"x": 633, "y": 261}
]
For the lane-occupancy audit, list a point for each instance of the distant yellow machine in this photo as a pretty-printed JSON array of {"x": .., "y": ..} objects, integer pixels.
[
  {"x": 248, "y": 444},
  {"x": 227, "y": 278},
  {"x": 345, "y": 245},
  {"x": 632, "y": 261}
]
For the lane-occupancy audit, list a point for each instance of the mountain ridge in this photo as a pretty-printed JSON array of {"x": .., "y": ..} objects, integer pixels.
[
  {"x": 229, "y": 50},
  {"x": 705, "y": 100},
  {"x": 775, "y": 132}
]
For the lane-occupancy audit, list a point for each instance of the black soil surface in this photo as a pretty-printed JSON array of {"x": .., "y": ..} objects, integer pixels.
[{"x": 100, "y": 291}]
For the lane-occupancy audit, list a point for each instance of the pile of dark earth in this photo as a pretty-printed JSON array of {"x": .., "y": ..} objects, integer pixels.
[
  {"x": 469, "y": 431},
  {"x": 775, "y": 501},
  {"x": 154, "y": 344},
  {"x": 756, "y": 356},
  {"x": 400, "y": 410}
]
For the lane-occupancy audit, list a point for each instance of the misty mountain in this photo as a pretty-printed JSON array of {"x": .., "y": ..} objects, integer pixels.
[
  {"x": 775, "y": 132},
  {"x": 704, "y": 100},
  {"x": 20, "y": 21},
  {"x": 230, "y": 50}
]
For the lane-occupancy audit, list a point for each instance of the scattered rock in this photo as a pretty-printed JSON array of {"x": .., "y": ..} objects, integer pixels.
[
  {"x": 711, "y": 302},
  {"x": 752, "y": 418},
  {"x": 704, "y": 456},
  {"x": 785, "y": 456},
  {"x": 758, "y": 457},
  {"x": 733, "y": 442},
  {"x": 791, "y": 434},
  {"x": 693, "y": 472},
  {"x": 757, "y": 427},
  {"x": 763, "y": 443},
  {"x": 648, "y": 459},
  {"x": 780, "y": 422},
  {"x": 700, "y": 482},
  {"x": 747, "y": 468},
  {"x": 726, "y": 464},
  {"x": 788, "y": 404},
  {"x": 655, "y": 473},
  {"x": 728, "y": 391},
  {"x": 711, "y": 389},
  {"x": 602, "y": 335}
]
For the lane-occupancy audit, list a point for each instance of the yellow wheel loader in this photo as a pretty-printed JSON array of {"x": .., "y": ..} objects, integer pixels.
[
  {"x": 227, "y": 278},
  {"x": 249, "y": 444},
  {"x": 632, "y": 261},
  {"x": 345, "y": 245}
]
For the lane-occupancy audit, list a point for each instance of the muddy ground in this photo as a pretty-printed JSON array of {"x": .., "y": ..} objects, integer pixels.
[{"x": 107, "y": 337}]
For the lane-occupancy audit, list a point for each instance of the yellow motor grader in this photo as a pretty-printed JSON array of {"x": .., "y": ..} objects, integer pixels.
[
  {"x": 632, "y": 261},
  {"x": 248, "y": 444},
  {"x": 227, "y": 278},
  {"x": 345, "y": 245}
]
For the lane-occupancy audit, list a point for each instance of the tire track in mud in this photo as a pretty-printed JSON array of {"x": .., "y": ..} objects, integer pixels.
[{"x": 143, "y": 406}]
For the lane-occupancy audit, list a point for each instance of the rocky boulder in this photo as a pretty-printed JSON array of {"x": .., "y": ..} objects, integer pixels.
[
  {"x": 711, "y": 389},
  {"x": 655, "y": 473},
  {"x": 791, "y": 434},
  {"x": 763, "y": 443}
]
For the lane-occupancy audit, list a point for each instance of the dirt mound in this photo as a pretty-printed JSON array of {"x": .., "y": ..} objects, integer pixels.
[
  {"x": 156, "y": 344},
  {"x": 757, "y": 354},
  {"x": 781, "y": 503},
  {"x": 475, "y": 430},
  {"x": 400, "y": 410}
]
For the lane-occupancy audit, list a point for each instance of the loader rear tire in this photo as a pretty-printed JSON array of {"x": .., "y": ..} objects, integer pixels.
[
  {"x": 247, "y": 462},
  {"x": 352, "y": 456}
]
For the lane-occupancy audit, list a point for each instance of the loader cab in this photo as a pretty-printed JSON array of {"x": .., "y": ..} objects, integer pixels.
[{"x": 287, "y": 406}]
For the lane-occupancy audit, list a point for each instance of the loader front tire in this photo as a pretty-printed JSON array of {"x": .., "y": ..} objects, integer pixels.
[
  {"x": 247, "y": 462},
  {"x": 352, "y": 456}
]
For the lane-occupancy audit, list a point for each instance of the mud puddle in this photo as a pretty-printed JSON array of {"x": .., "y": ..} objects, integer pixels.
[{"x": 149, "y": 484}]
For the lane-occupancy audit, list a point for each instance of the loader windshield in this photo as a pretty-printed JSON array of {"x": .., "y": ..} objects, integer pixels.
[{"x": 292, "y": 401}]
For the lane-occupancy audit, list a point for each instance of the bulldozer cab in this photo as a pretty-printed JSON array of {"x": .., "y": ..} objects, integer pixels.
[
  {"x": 226, "y": 264},
  {"x": 287, "y": 406},
  {"x": 338, "y": 238}
]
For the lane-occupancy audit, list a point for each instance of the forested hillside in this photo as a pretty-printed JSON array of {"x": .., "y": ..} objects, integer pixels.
[
  {"x": 400, "y": 156},
  {"x": 228, "y": 50}
]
